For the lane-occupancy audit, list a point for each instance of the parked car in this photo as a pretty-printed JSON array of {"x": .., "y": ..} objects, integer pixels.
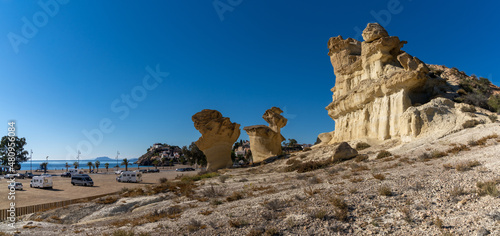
[
  {"x": 16, "y": 185},
  {"x": 66, "y": 174},
  {"x": 118, "y": 172},
  {"x": 20, "y": 176},
  {"x": 82, "y": 179},
  {"x": 153, "y": 171},
  {"x": 41, "y": 182},
  {"x": 143, "y": 171},
  {"x": 29, "y": 175},
  {"x": 9, "y": 176},
  {"x": 185, "y": 169}
]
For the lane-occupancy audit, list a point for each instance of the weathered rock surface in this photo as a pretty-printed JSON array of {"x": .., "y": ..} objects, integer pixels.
[
  {"x": 266, "y": 141},
  {"x": 218, "y": 135},
  {"x": 376, "y": 85}
]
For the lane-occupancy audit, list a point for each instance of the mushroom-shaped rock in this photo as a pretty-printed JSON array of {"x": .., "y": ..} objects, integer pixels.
[
  {"x": 266, "y": 141},
  {"x": 217, "y": 137}
]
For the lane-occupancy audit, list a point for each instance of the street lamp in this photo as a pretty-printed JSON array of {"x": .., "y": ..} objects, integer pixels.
[
  {"x": 46, "y": 165},
  {"x": 31, "y": 161},
  {"x": 117, "y": 153},
  {"x": 78, "y": 159}
]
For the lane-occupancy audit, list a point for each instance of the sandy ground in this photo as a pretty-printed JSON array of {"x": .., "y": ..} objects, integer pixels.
[{"x": 104, "y": 182}]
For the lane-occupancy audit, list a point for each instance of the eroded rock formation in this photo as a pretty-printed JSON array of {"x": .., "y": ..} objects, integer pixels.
[
  {"x": 376, "y": 84},
  {"x": 218, "y": 135},
  {"x": 266, "y": 141}
]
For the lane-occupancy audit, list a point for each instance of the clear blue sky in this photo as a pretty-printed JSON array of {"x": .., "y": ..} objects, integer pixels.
[{"x": 70, "y": 74}]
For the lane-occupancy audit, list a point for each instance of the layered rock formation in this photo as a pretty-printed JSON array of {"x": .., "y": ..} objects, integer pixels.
[
  {"x": 218, "y": 135},
  {"x": 376, "y": 84},
  {"x": 266, "y": 141}
]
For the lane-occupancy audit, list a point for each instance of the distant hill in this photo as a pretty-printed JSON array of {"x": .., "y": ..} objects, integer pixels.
[{"x": 104, "y": 159}]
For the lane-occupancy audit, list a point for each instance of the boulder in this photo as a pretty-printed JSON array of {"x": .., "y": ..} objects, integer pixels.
[
  {"x": 343, "y": 151},
  {"x": 218, "y": 135},
  {"x": 265, "y": 141}
]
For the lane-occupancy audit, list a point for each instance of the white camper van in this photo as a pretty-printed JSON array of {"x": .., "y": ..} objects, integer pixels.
[
  {"x": 129, "y": 176},
  {"x": 41, "y": 182},
  {"x": 74, "y": 172}
]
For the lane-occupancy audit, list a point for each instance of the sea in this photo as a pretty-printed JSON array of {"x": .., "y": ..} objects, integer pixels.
[{"x": 61, "y": 164}]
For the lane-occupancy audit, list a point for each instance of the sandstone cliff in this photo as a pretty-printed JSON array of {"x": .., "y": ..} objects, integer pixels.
[{"x": 379, "y": 89}]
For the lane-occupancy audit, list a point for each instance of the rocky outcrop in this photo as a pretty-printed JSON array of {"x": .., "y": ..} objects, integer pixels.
[
  {"x": 218, "y": 135},
  {"x": 266, "y": 141},
  {"x": 376, "y": 85}
]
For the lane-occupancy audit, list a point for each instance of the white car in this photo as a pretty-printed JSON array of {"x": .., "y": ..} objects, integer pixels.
[
  {"x": 118, "y": 172},
  {"x": 16, "y": 185}
]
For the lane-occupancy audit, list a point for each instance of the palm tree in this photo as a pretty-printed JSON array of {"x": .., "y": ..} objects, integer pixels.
[
  {"x": 97, "y": 163},
  {"x": 106, "y": 165},
  {"x": 44, "y": 167},
  {"x": 126, "y": 163},
  {"x": 155, "y": 163},
  {"x": 90, "y": 165},
  {"x": 76, "y": 164},
  {"x": 67, "y": 166}
]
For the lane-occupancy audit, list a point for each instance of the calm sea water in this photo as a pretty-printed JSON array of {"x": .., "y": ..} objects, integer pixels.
[{"x": 61, "y": 164}]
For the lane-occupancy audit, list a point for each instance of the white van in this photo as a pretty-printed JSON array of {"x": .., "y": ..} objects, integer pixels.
[
  {"x": 74, "y": 172},
  {"x": 41, "y": 182},
  {"x": 129, "y": 176}
]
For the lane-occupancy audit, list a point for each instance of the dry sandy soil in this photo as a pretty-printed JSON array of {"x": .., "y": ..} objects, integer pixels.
[{"x": 427, "y": 187}]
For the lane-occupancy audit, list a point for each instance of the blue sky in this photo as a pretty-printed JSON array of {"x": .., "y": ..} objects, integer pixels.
[{"x": 74, "y": 70}]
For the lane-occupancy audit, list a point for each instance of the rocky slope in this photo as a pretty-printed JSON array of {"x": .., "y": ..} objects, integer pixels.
[{"x": 440, "y": 186}]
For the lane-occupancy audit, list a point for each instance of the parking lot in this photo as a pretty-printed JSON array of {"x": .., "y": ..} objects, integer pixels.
[{"x": 63, "y": 190}]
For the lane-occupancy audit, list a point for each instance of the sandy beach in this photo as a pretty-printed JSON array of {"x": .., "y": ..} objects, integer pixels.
[{"x": 104, "y": 182}]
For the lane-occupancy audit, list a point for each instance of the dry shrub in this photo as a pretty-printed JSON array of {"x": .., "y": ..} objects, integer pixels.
[
  {"x": 358, "y": 167},
  {"x": 457, "y": 191},
  {"x": 362, "y": 145},
  {"x": 385, "y": 191},
  {"x": 302, "y": 167},
  {"x": 406, "y": 214},
  {"x": 173, "y": 212},
  {"x": 163, "y": 180},
  {"x": 383, "y": 154},
  {"x": 438, "y": 222},
  {"x": 457, "y": 149},
  {"x": 319, "y": 214},
  {"x": 206, "y": 212},
  {"x": 223, "y": 178},
  {"x": 107, "y": 200},
  {"x": 235, "y": 196},
  {"x": 488, "y": 188},
  {"x": 471, "y": 123},
  {"x": 438, "y": 154},
  {"x": 447, "y": 166},
  {"x": 310, "y": 191},
  {"x": 195, "y": 225},
  {"x": 467, "y": 165},
  {"x": 379, "y": 176},
  {"x": 341, "y": 208},
  {"x": 361, "y": 157},
  {"x": 237, "y": 223},
  {"x": 213, "y": 192},
  {"x": 356, "y": 179},
  {"x": 275, "y": 204},
  {"x": 314, "y": 180},
  {"x": 482, "y": 141}
]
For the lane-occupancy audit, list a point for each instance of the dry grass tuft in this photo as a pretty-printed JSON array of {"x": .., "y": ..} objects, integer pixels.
[
  {"x": 457, "y": 149},
  {"x": 361, "y": 158},
  {"x": 383, "y": 154},
  {"x": 379, "y": 176},
  {"x": 488, "y": 188},
  {"x": 385, "y": 191},
  {"x": 107, "y": 200},
  {"x": 310, "y": 191},
  {"x": 235, "y": 196},
  {"x": 467, "y": 165},
  {"x": 237, "y": 223},
  {"x": 362, "y": 145}
]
